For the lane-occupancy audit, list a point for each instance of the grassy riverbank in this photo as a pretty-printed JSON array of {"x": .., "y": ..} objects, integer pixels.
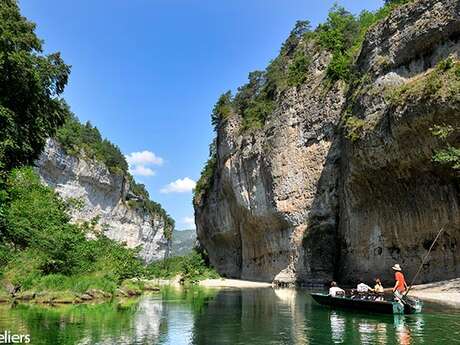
[
  {"x": 21, "y": 282},
  {"x": 43, "y": 255},
  {"x": 46, "y": 258}
]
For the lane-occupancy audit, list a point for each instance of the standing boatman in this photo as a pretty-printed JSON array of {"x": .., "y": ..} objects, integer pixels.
[{"x": 400, "y": 285}]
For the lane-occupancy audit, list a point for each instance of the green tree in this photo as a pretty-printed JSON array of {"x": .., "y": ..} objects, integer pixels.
[
  {"x": 30, "y": 86},
  {"x": 206, "y": 180},
  {"x": 301, "y": 28},
  {"x": 37, "y": 218},
  {"x": 38, "y": 232},
  {"x": 297, "y": 71},
  {"x": 76, "y": 137},
  {"x": 222, "y": 109},
  {"x": 338, "y": 35}
]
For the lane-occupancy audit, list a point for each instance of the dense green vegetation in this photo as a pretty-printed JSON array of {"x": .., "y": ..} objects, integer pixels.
[
  {"x": 30, "y": 86},
  {"x": 255, "y": 101},
  {"x": 343, "y": 34},
  {"x": 41, "y": 248},
  {"x": 450, "y": 155},
  {"x": 42, "y": 251},
  {"x": 222, "y": 110},
  {"x": 191, "y": 268},
  {"x": 77, "y": 139}
]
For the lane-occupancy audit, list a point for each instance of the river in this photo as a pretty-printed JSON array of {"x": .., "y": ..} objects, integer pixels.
[{"x": 206, "y": 316}]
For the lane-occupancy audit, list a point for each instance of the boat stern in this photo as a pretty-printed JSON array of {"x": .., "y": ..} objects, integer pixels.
[{"x": 398, "y": 308}]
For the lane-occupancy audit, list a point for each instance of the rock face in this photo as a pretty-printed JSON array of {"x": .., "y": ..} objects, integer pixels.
[
  {"x": 102, "y": 197},
  {"x": 303, "y": 201},
  {"x": 274, "y": 185},
  {"x": 393, "y": 198}
]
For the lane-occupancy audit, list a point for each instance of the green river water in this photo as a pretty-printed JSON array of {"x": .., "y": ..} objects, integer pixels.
[{"x": 203, "y": 316}]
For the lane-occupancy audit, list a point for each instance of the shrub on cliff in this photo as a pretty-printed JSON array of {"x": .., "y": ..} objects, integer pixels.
[
  {"x": 343, "y": 34},
  {"x": 449, "y": 156},
  {"x": 222, "y": 110},
  {"x": 154, "y": 208},
  {"x": 206, "y": 179},
  {"x": 255, "y": 101},
  {"x": 30, "y": 86},
  {"x": 78, "y": 138},
  {"x": 297, "y": 71},
  {"x": 440, "y": 84}
]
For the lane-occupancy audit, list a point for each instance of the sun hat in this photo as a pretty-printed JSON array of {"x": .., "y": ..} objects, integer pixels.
[{"x": 396, "y": 267}]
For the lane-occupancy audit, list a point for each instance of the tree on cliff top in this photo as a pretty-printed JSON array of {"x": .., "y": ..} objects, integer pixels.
[
  {"x": 222, "y": 109},
  {"x": 30, "y": 86},
  {"x": 76, "y": 137}
]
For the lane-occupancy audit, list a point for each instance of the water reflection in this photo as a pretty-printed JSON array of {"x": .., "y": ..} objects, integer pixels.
[
  {"x": 200, "y": 317},
  {"x": 403, "y": 332},
  {"x": 373, "y": 332},
  {"x": 144, "y": 327},
  {"x": 337, "y": 328}
]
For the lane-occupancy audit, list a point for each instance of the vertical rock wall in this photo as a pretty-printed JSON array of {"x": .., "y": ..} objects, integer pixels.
[
  {"x": 301, "y": 200},
  {"x": 96, "y": 194},
  {"x": 274, "y": 186},
  {"x": 394, "y": 200}
]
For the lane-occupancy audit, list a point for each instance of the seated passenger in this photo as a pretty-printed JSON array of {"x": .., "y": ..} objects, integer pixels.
[
  {"x": 335, "y": 291},
  {"x": 363, "y": 287},
  {"x": 378, "y": 288}
]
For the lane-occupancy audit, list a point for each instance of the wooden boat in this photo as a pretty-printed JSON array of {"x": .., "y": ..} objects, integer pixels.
[{"x": 382, "y": 307}]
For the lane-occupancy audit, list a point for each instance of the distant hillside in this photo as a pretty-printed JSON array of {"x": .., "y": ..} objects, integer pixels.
[{"x": 183, "y": 242}]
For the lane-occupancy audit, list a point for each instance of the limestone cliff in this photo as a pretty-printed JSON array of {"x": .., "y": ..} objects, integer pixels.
[
  {"x": 103, "y": 197},
  {"x": 340, "y": 180}
]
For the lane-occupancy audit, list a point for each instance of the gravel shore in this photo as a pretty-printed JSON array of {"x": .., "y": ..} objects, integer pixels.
[
  {"x": 447, "y": 291},
  {"x": 233, "y": 283}
]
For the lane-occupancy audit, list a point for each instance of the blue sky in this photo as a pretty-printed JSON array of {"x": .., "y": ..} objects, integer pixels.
[{"x": 148, "y": 72}]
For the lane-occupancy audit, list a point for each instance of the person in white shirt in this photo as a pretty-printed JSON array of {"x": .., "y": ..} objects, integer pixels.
[
  {"x": 363, "y": 287},
  {"x": 334, "y": 289}
]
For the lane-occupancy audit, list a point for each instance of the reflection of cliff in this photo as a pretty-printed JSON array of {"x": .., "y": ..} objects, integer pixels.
[
  {"x": 255, "y": 316},
  {"x": 295, "y": 303}
]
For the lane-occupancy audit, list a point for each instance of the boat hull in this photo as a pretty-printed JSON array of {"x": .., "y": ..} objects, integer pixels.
[{"x": 380, "y": 307}]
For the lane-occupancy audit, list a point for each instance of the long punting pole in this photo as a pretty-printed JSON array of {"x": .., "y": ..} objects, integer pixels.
[{"x": 424, "y": 260}]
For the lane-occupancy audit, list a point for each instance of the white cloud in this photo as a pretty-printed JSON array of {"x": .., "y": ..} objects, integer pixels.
[
  {"x": 139, "y": 162},
  {"x": 189, "y": 222},
  {"x": 144, "y": 158},
  {"x": 179, "y": 186},
  {"x": 140, "y": 170}
]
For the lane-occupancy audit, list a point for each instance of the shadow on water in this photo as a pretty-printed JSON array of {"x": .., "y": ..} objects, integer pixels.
[{"x": 202, "y": 316}]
